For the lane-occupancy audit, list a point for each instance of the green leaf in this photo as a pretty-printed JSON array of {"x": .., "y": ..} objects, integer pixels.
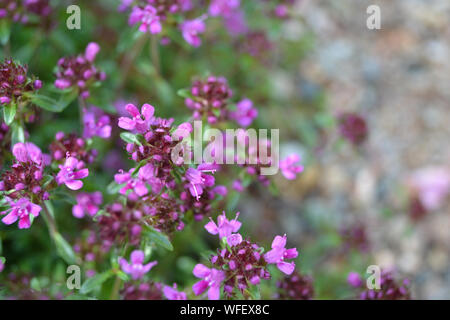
[
  {"x": 64, "y": 249},
  {"x": 113, "y": 187},
  {"x": 184, "y": 93},
  {"x": 5, "y": 31},
  {"x": 9, "y": 112},
  {"x": 158, "y": 238},
  {"x": 17, "y": 134},
  {"x": 130, "y": 138},
  {"x": 51, "y": 104},
  {"x": 95, "y": 282}
]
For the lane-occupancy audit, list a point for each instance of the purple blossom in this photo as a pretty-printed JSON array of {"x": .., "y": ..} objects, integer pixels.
[
  {"x": 432, "y": 185},
  {"x": 136, "y": 268},
  {"x": 87, "y": 203},
  {"x": 27, "y": 152},
  {"x": 172, "y": 293},
  {"x": 140, "y": 121},
  {"x": 96, "y": 124},
  {"x": 290, "y": 168},
  {"x": 354, "y": 279},
  {"x": 198, "y": 180},
  {"x": 191, "y": 30},
  {"x": 71, "y": 172},
  {"x": 147, "y": 17},
  {"x": 224, "y": 227},
  {"x": 279, "y": 253},
  {"x": 137, "y": 185},
  {"x": 91, "y": 51},
  {"x": 245, "y": 113},
  {"x": 224, "y": 8},
  {"x": 212, "y": 279},
  {"x": 21, "y": 210}
]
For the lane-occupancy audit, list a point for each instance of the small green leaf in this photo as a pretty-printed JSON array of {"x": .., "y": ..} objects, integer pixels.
[
  {"x": 51, "y": 104},
  {"x": 5, "y": 31},
  {"x": 113, "y": 187},
  {"x": 9, "y": 112},
  {"x": 17, "y": 134},
  {"x": 158, "y": 238},
  {"x": 95, "y": 282},
  {"x": 130, "y": 138},
  {"x": 64, "y": 249},
  {"x": 184, "y": 93}
]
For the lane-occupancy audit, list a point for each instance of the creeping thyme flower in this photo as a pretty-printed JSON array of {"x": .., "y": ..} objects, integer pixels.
[
  {"x": 147, "y": 17},
  {"x": 136, "y": 268},
  {"x": 119, "y": 225},
  {"x": 211, "y": 279},
  {"x": 191, "y": 30},
  {"x": 24, "y": 179},
  {"x": 223, "y": 8},
  {"x": 243, "y": 264},
  {"x": 295, "y": 287},
  {"x": 137, "y": 185},
  {"x": 96, "y": 123},
  {"x": 245, "y": 113},
  {"x": 198, "y": 179},
  {"x": 210, "y": 99},
  {"x": 354, "y": 280},
  {"x": 73, "y": 145},
  {"x": 21, "y": 11},
  {"x": 172, "y": 293},
  {"x": 202, "y": 207},
  {"x": 14, "y": 82},
  {"x": 79, "y": 72},
  {"x": 21, "y": 210},
  {"x": 224, "y": 227},
  {"x": 87, "y": 203},
  {"x": 431, "y": 185},
  {"x": 289, "y": 167},
  {"x": 162, "y": 212},
  {"x": 279, "y": 253},
  {"x": 353, "y": 127},
  {"x": 355, "y": 237},
  {"x": 257, "y": 44},
  {"x": 390, "y": 288},
  {"x": 140, "y": 121},
  {"x": 143, "y": 291},
  {"x": 71, "y": 173}
]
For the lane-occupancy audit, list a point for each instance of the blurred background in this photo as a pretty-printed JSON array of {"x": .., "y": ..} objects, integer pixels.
[{"x": 368, "y": 110}]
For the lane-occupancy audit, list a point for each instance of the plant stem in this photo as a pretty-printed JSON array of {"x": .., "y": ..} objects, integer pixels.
[
  {"x": 154, "y": 52},
  {"x": 50, "y": 220},
  {"x": 116, "y": 287}
]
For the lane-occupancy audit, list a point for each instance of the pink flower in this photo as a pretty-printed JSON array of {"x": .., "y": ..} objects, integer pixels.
[
  {"x": 432, "y": 185},
  {"x": 136, "y": 268},
  {"x": 137, "y": 185},
  {"x": 354, "y": 279},
  {"x": 191, "y": 30},
  {"x": 139, "y": 122},
  {"x": 198, "y": 179},
  {"x": 279, "y": 253},
  {"x": 234, "y": 239},
  {"x": 172, "y": 293},
  {"x": 212, "y": 278},
  {"x": 148, "y": 17},
  {"x": 245, "y": 113},
  {"x": 87, "y": 203},
  {"x": 71, "y": 172},
  {"x": 224, "y": 8},
  {"x": 224, "y": 227},
  {"x": 21, "y": 210},
  {"x": 289, "y": 168},
  {"x": 96, "y": 127},
  {"x": 91, "y": 51},
  {"x": 27, "y": 152}
]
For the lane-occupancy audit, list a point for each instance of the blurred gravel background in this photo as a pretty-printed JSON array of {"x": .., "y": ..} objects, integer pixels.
[{"x": 399, "y": 79}]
